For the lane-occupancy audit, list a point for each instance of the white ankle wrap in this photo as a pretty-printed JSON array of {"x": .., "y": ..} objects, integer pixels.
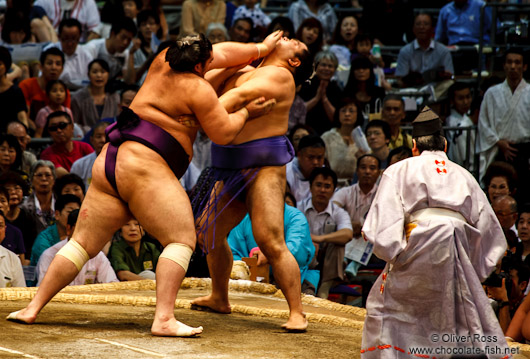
[
  {"x": 74, "y": 252},
  {"x": 178, "y": 253}
]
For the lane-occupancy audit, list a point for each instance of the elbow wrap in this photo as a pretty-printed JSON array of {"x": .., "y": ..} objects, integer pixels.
[
  {"x": 75, "y": 253},
  {"x": 178, "y": 253}
]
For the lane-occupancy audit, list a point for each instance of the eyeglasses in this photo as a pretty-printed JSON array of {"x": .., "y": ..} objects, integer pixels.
[
  {"x": 13, "y": 188},
  {"x": 59, "y": 126},
  {"x": 43, "y": 175}
]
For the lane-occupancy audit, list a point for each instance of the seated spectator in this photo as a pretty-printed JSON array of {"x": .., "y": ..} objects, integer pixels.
[
  {"x": 93, "y": 103},
  {"x": 460, "y": 97},
  {"x": 500, "y": 180},
  {"x": 114, "y": 50},
  {"x": 311, "y": 154},
  {"x": 11, "y": 273},
  {"x": 357, "y": 199},
  {"x": 511, "y": 293},
  {"x": 399, "y": 154},
  {"x": 149, "y": 34},
  {"x": 64, "y": 151},
  {"x": 198, "y": 14},
  {"x": 131, "y": 8},
  {"x": 361, "y": 87},
  {"x": 311, "y": 33},
  {"x": 297, "y": 133},
  {"x": 320, "y": 9},
  {"x": 10, "y": 155},
  {"x": 83, "y": 166},
  {"x": 251, "y": 9},
  {"x": 330, "y": 228},
  {"x": 341, "y": 150},
  {"x": 284, "y": 24},
  {"x": 423, "y": 60},
  {"x": 378, "y": 138},
  {"x": 18, "y": 39},
  {"x": 76, "y": 58},
  {"x": 12, "y": 99},
  {"x": 451, "y": 29},
  {"x": 132, "y": 257},
  {"x": 34, "y": 88},
  {"x": 20, "y": 131},
  {"x": 216, "y": 33},
  {"x": 241, "y": 30},
  {"x": 96, "y": 270},
  {"x": 523, "y": 230},
  {"x": 64, "y": 205},
  {"x": 322, "y": 94},
  {"x": 343, "y": 46},
  {"x": 505, "y": 208},
  {"x": 56, "y": 91},
  {"x": 394, "y": 113},
  {"x": 297, "y": 237},
  {"x": 70, "y": 184},
  {"x": 40, "y": 205},
  {"x": 364, "y": 47},
  {"x": 47, "y": 15},
  {"x": 13, "y": 236}
]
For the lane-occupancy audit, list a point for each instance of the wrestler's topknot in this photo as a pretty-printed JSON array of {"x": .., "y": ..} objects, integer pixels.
[{"x": 189, "y": 51}]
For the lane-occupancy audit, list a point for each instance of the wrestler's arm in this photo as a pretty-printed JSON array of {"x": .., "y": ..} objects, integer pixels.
[
  {"x": 220, "y": 126},
  {"x": 271, "y": 83},
  {"x": 228, "y": 53}
]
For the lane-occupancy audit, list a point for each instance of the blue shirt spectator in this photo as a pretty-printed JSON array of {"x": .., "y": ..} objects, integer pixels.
[
  {"x": 459, "y": 23},
  {"x": 297, "y": 237}
]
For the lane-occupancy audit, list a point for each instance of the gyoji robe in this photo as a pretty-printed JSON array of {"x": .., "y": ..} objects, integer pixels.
[
  {"x": 503, "y": 116},
  {"x": 433, "y": 279}
]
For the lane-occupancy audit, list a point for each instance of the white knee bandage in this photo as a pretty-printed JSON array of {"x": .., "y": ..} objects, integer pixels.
[
  {"x": 178, "y": 253},
  {"x": 75, "y": 253}
]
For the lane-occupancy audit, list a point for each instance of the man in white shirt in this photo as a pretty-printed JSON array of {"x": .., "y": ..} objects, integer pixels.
[
  {"x": 76, "y": 58},
  {"x": 504, "y": 121},
  {"x": 330, "y": 228},
  {"x": 115, "y": 51},
  {"x": 311, "y": 154}
]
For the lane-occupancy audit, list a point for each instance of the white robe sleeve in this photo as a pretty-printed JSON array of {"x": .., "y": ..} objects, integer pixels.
[{"x": 384, "y": 225}]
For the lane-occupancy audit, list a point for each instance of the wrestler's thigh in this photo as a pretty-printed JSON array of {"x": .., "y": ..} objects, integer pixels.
[
  {"x": 154, "y": 195},
  {"x": 265, "y": 201},
  {"x": 102, "y": 213}
]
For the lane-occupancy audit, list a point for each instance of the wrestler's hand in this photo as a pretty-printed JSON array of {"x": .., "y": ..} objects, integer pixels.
[
  {"x": 260, "y": 107},
  {"x": 271, "y": 40},
  {"x": 262, "y": 259},
  {"x": 508, "y": 151}
]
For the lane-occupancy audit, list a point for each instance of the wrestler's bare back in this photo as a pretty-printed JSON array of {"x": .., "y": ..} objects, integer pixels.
[
  {"x": 169, "y": 99},
  {"x": 271, "y": 82}
]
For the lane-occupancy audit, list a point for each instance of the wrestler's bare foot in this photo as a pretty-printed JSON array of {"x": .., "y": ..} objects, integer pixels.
[
  {"x": 297, "y": 323},
  {"x": 216, "y": 304},
  {"x": 23, "y": 316},
  {"x": 173, "y": 328}
]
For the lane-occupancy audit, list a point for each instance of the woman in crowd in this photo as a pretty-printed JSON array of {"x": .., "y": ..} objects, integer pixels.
[
  {"x": 16, "y": 189},
  {"x": 320, "y": 9},
  {"x": 149, "y": 34},
  {"x": 216, "y": 33},
  {"x": 343, "y": 45},
  {"x": 40, "y": 204},
  {"x": 362, "y": 89},
  {"x": 69, "y": 184},
  {"x": 500, "y": 180},
  {"x": 310, "y": 33},
  {"x": 341, "y": 150},
  {"x": 93, "y": 103},
  {"x": 296, "y": 134},
  {"x": 321, "y": 94},
  {"x": 282, "y": 23},
  {"x": 11, "y": 155}
]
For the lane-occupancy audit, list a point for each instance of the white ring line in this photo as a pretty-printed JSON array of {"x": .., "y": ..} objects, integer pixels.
[
  {"x": 19, "y": 353},
  {"x": 140, "y": 350}
]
